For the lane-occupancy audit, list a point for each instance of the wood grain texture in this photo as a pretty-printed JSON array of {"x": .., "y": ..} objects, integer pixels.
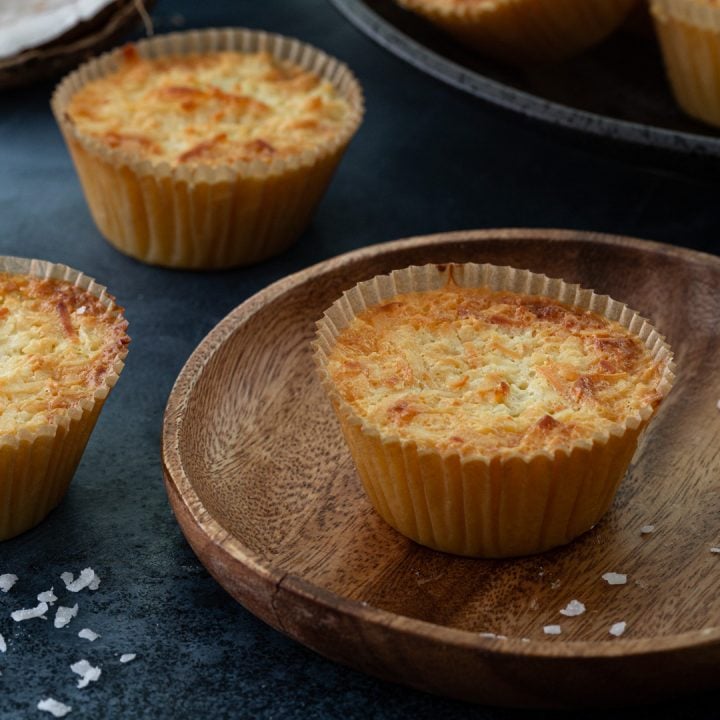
[{"x": 265, "y": 491}]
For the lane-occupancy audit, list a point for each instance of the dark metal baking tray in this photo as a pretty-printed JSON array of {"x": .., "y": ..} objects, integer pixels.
[{"x": 617, "y": 90}]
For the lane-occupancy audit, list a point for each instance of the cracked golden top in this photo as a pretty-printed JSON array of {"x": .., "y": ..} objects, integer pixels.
[
  {"x": 210, "y": 108},
  {"x": 58, "y": 345},
  {"x": 486, "y": 372}
]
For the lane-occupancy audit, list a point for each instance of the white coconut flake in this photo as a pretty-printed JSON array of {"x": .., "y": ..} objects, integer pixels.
[
  {"x": 613, "y": 578},
  {"x": 36, "y": 612},
  {"x": 88, "y": 634},
  {"x": 3, "y": 644},
  {"x": 718, "y": 405},
  {"x": 48, "y": 596},
  {"x": 67, "y": 578},
  {"x": 95, "y": 584},
  {"x": 128, "y": 657},
  {"x": 573, "y": 608},
  {"x": 64, "y": 615},
  {"x": 617, "y": 629},
  {"x": 552, "y": 629},
  {"x": 488, "y": 635},
  {"x": 84, "y": 579},
  {"x": 86, "y": 671},
  {"x": 81, "y": 310},
  {"x": 7, "y": 581},
  {"x": 715, "y": 550},
  {"x": 55, "y": 708},
  {"x": 647, "y": 529}
]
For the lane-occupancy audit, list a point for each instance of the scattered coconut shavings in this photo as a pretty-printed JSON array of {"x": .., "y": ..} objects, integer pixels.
[
  {"x": 67, "y": 578},
  {"x": 129, "y": 657},
  {"x": 617, "y": 629},
  {"x": 718, "y": 405},
  {"x": 81, "y": 310},
  {"x": 573, "y": 608},
  {"x": 86, "y": 671},
  {"x": 55, "y": 708},
  {"x": 36, "y": 612},
  {"x": 64, "y": 615},
  {"x": 48, "y": 596},
  {"x": 613, "y": 578},
  {"x": 3, "y": 644},
  {"x": 88, "y": 634},
  {"x": 715, "y": 550},
  {"x": 647, "y": 529},
  {"x": 489, "y": 635},
  {"x": 552, "y": 629},
  {"x": 85, "y": 578},
  {"x": 7, "y": 581}
]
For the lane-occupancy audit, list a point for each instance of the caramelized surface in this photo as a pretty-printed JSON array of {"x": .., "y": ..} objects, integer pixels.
[{"x": 486, "y": 372}]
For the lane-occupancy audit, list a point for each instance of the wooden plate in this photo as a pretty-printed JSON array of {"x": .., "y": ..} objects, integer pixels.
[
  {"x": 617, "y": 90},
  {"x": 265, "y": 492}
]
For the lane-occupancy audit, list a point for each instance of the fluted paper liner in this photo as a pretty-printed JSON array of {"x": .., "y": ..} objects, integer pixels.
[
  {"x": 527, "y": 31},
  {"x": 36, "y": 466},
  {"x": 206, "y": 216},
  {"x": 689, "y": 34},
  {"x": 503, "y": 505}
]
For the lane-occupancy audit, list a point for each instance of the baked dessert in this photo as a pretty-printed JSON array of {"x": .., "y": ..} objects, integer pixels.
[
  {"x": 525, "y": 32},
  {"x": 689, "y": 35},
  {"x": 490, "y": 412},
  {"x": 207, "y": 149},
  {"x": 62, "y": 345}
]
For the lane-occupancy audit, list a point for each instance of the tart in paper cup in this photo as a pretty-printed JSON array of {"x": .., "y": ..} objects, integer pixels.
[
  {"x": 490, "y": 412},
  {"x": 63, "y": 342},
  {"x": 689, "y": 35},
  {"x": 524, "y": 32},
  {"x": 205, "y": 173}
]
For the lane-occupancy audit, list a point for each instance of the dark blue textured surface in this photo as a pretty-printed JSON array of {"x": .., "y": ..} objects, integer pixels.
[{"x": 427, "y": 159}]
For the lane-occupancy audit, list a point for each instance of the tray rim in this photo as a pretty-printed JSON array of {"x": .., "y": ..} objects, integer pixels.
[
  {"x": 527, "y": 104},
  {"x": 181, "y": 490}
]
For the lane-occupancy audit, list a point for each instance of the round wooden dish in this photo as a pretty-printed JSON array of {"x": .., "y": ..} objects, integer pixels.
[{"x": 265, "y": 491}]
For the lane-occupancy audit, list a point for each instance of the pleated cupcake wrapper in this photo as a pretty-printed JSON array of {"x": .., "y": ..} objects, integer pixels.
[
  {"x": 36, "y": 466},
  {"x": 689, "y": 34},
  {"x": 527, "y": 31},
  {"x": 504, "y": 505},
  {"x": 702, "y": 14},
  {"x": 206, "y": 216}
]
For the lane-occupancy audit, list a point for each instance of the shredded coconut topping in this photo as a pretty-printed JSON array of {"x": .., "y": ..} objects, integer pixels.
[
  {"x": 7, "y": 581},
  {"x": 552, "y": 629},
  {"x": 573, "y": 608},
  {"x": 127, "y": 657},
  {"x": 86, "y": 671},
  {"x": 55, "y": 708},
  {"x": 48, "y": 596},
  {"x": 64, "y": 615},
  {"x": 617, "y": 629},
  {"x": 39, "y": 611},
  {"x": 715, "y": 549},
  {"x": 88, "y": 634},
  {"x": 3, "y": 645},
  {"x": 647, "y": 529},
  {"x": 613, "y": 578}
]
